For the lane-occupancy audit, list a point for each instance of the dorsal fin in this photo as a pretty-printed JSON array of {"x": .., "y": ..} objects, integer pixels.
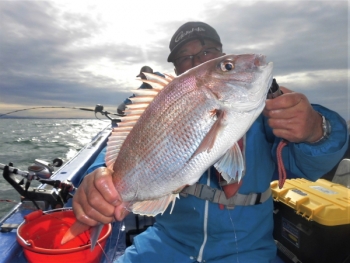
[
  {"x": 146, "y": 99},
  {"x": 157, "y": 82},
  {"x": 145, "y": 92},
  {"x": 143, "y": 97},
  {"x": 169, "y": 77},
  {"x": 137, "y": 105},
  {"x": 130, "y": 117},
  {"x": 157, "y": 78}
]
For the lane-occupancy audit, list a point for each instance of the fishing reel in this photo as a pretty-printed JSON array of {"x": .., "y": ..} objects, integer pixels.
[
  {"x": 53, "y": 193},
  {"x": 44, "y": 169},
  {"x": 274, "y": 90},
  {"x": 99, "y": 109}
]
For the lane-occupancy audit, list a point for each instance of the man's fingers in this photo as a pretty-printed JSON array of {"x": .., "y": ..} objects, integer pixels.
[
  {"x": 121, "y": 212},
  {"x": 284, "y": 101},
  {"x": 104, "y": 183},
  {"x": 89, "y": 215},
  {"x": 84, "y": 212},
  {"x": 93, "y": 200},
  {"x": 82, "y": 217},
  {"x": 285, "y": 90}
]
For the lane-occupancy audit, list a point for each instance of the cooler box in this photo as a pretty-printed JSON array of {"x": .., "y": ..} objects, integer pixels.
[{"x": 312, "y": 221}]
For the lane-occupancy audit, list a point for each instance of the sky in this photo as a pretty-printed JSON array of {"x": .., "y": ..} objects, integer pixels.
[{"x": 82, "y": 53}]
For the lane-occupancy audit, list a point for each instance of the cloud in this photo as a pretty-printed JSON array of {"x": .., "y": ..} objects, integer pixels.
[
  {"x": 65, "y": 54},
  {"x": 42, "y": 64},
  {"x": 296, "y": 35},
  {"x": 306, "y": 40}
]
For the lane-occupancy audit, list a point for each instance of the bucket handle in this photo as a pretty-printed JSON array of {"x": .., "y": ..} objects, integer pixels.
[
  {"x": 45, "y": 212},
  {"x": 58, "y": 209},
  {"x": 19, "y": 236}
]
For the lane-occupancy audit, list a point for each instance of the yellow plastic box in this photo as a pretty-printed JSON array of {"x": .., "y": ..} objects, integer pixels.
[{"x": 312, "y": 220}]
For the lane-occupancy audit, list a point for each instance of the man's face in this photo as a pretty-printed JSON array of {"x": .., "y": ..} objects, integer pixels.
[{"x": 194, "y": 53}]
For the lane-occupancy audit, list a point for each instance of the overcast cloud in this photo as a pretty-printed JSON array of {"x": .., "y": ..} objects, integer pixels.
[{"x": 83, "y": 53}]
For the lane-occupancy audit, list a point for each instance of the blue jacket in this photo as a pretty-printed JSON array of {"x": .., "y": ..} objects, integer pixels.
[{"x": 199, "y": 231}]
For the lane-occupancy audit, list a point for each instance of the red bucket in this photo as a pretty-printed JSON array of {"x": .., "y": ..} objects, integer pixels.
[{"x": 40, "y": 235}]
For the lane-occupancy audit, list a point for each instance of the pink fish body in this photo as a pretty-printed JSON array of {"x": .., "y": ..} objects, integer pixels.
[
  {"x": 172, "y": 133},
  {"x": 175, "y": 131}
]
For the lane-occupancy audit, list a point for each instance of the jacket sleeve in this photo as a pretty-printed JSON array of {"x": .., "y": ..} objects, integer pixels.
[
  {"x": 99, "y": 162},
  {"x": 312, "y": 161}
]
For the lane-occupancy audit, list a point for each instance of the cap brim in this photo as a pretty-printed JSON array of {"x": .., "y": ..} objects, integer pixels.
[{"x": 178, "y": 46}]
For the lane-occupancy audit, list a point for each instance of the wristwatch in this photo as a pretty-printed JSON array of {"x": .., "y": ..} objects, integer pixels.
[{"x": 326, "y": 127}]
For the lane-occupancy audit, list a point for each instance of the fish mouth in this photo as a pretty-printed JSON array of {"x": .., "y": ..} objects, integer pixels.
[
  {"x": 253, "y": 100},
  {"x": 262, "y": 93},
  {"x": 268, "y": 76}
]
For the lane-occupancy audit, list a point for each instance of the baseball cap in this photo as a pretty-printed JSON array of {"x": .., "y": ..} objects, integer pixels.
[
  {"x": 190, "y": 31},
  {"x": 146, "y": 69}
]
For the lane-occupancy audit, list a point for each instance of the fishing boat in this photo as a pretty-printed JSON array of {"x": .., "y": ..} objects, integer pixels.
[{"x": 57, "y": 188}]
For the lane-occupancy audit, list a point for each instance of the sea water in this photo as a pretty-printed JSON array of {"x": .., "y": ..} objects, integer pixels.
[{"x": 24, "y": 140}]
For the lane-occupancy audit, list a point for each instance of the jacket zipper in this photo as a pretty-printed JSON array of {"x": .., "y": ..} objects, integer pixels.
[{"x": 205, "y": 225}]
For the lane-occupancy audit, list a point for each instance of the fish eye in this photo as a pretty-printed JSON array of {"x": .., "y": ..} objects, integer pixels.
[{"x": 227, "y": 66}]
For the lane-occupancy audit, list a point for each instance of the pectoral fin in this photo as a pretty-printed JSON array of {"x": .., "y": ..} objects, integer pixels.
[
  {"x": 231, "y": 164},
  {"x": 209, "y": 140},
  {"x": 154, "y": 207}
]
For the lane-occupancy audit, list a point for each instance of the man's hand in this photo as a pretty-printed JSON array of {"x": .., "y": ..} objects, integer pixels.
[
  {"x": 292, "y": 117},
  {"x": 97, "y": 201}
]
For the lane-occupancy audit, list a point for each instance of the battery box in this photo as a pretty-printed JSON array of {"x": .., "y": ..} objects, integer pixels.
[{"x": 312, "y": 221}]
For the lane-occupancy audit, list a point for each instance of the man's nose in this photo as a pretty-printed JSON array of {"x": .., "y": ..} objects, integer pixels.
[{"x": 196, "y": 60}]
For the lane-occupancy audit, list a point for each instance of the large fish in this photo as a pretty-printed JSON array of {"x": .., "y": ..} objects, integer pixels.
[{"x": 172, "y": 133}]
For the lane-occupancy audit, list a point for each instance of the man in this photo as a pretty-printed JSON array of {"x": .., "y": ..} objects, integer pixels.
[
  {"x": 146, "y": 69},
  {"x": 199, "y": 230}
]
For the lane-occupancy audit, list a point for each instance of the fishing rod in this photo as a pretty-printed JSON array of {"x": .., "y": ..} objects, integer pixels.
[
  {"x": 274, "y": 92},
  {"x": 25, "y": 174},
  {"x": 40, "y": 170},
  {"x": 98, "y": 109},
  {"x": 45, "y": 107}
]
